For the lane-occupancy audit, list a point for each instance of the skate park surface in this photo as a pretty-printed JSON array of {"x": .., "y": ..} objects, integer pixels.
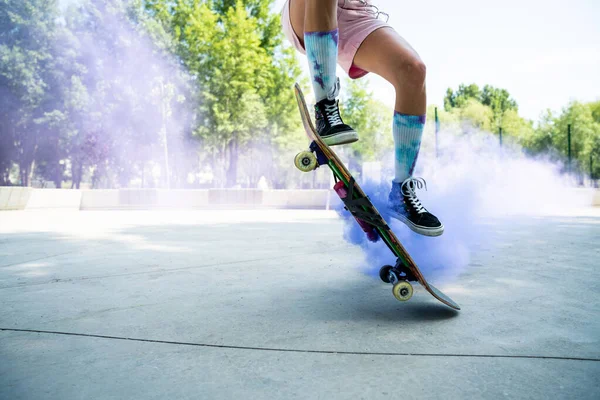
[{"x": 272, "y": 304}]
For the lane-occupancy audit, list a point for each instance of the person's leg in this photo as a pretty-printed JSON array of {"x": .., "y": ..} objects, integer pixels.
[
  {"x": 387, "y": 54},
  {"x": 321, "y": 43},
  {"x": 315, "y": 21}
]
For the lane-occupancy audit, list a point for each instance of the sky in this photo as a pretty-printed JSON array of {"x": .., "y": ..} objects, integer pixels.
[{"x": 545, "y": 53}]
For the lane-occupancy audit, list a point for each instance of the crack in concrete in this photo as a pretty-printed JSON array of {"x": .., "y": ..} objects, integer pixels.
[
  {"x": 283, "y": 350},
  {"x": 83, "y": 278},
  {"x": 38, "y": 259}
]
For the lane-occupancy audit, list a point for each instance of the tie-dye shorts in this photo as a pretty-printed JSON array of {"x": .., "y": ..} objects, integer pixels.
[{"x": 356, "y": 20}]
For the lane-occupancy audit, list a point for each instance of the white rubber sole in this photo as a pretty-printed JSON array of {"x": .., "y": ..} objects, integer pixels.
[
  {"x": 416, "y": 228},
  {"x": 341, "y": 138}
]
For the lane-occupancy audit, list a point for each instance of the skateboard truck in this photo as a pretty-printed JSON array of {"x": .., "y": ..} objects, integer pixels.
[
  {"x": 321, "y": 158},
  {"x": 399, "y": 276}
]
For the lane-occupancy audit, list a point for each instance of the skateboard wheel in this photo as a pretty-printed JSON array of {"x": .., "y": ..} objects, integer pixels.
[
  {"x": 384, "y": 273},
  {"x": 402, "y": 290},
  {"x": 305, "y": 161}
]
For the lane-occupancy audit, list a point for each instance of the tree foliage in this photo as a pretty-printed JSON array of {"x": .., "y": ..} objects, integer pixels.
[
  {"x": 27, "y": 30},
  {"x": 114, "y": 91},
  {"x": 491, "y": 109},
  {"x": 233, "y": 50},
  {"x": 371, "y": 118}
]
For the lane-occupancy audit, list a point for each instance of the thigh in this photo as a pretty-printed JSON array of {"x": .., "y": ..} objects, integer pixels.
[
  {"x": 387, "y": 54},
  {"x": 322, "y": 16},
  {"x": 297, "y": 8}
]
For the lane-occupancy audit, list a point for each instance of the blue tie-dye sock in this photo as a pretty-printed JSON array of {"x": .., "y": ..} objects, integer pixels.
[
  {"x": 322, "y": 52},
  {"x": 408, "y": 130}
]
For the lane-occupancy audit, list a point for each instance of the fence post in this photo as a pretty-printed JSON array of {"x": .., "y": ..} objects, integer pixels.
[
  {"x": 569, "y": 146},
  {"x": 437, "y": 129},
  {"x": 500, "y": 135}
]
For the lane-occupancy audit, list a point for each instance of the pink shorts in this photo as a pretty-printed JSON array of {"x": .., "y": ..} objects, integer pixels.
[{"x": 356, "y": 20}]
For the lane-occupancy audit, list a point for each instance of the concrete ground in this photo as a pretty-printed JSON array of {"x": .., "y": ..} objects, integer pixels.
[{"x": 269, "y": 304}]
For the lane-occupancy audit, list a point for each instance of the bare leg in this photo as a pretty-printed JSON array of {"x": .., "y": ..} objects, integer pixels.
[
  {"x": 313, "y": 16},
  {"x": 385, "y": 53},
  {"x": 320, "y": 15},
  {"x": 315, "y": 23},
  {"x": 320, "y": 36}
]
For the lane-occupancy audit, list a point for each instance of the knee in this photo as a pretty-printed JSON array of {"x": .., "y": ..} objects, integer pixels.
[{"x": 411, "y": 72}]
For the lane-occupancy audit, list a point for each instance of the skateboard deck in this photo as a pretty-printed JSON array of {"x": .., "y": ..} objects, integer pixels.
[{"x": 365, "y": 213}]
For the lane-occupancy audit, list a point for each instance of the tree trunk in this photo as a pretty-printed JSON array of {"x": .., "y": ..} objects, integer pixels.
[
  {"x": 77, "y": 172},
  {"x": 31, "y": 172},
  {"x": 78, "y": 183},
  {"x": 24, "y": 174},
  {"x": 231, "y": 176}
]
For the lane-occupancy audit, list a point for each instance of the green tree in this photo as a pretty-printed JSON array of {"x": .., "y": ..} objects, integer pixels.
[
  {"x": 585, "y": 133},
  {"x": 490, "y": 109},
  {"x": 516, "y": 126},
  {"x": 473, "y": 113},
  {"x": 460, "y": 98},
  {"x": 27, "y": 30},
  {"x": 498, "y": 100},
  {"x": 124, "y": 101},
  {"x": 244, "y": 75},
  {"x": 541, "y": 140},
  {"x": 370, "y": 118}
]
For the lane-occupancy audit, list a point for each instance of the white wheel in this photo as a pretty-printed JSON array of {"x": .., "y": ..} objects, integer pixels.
[
  {"x": 305, "y": 161},
  {"x": 402, "y": 290}
]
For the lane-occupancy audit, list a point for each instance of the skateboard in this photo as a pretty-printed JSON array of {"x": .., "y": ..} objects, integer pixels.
[{"x": 360, "y": 206}]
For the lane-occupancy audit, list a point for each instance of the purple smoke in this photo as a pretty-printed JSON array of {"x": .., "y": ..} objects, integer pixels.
[{"x": 474, "y": 182}]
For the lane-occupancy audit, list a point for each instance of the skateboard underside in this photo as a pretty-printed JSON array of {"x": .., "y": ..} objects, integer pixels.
[{"x": 365, "y": 213}]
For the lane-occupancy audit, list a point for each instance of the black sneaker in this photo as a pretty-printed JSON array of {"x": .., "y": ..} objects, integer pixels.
[
  {"x": 406, "y": 207},
  {"x": 330, "y": 126}
]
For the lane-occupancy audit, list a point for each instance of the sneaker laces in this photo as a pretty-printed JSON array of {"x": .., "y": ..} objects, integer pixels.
[
  {"x": 408, "y": 188},
  {"x": 333, "y": 114},
  {"x": 332, "y": 111}
]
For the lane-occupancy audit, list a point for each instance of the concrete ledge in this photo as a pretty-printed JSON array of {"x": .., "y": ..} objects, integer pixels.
[
  {"x": 208, "y": 198},
  {"x": 14, "y": 198},
  {"x": 137, "y": 198},
  {"x": 19, "y": 198},
  {"x": 585, "y": 197},
  {"x": 315, "y": 199},
  {"x": 246, "y": 197},
  {"x": 54, "y": 198},
  {"x": 99, "y": 199},
  {"x": 143, "y": 199},
  {"x": 183, "y": 198}
]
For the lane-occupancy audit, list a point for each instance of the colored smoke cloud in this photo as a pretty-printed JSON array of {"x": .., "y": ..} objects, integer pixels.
[{"x": 473, "y": 182}]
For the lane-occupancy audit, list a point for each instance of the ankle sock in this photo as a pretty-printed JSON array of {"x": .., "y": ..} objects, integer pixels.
[
  {"x": 322, "y": 52},
  {"x": 407, "y": 131}
]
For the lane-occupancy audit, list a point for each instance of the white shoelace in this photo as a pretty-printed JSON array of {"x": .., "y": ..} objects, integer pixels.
[
  {"x": 408, "y": 190},
  {"x": 332, "y": 111},
  {"x": 333, "y": 115}
]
